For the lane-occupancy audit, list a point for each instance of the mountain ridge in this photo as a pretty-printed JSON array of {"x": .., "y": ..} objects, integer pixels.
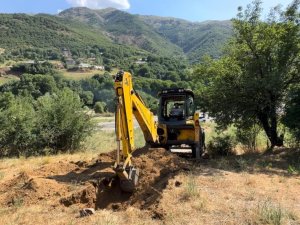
[{"x": 194, "y": 39}]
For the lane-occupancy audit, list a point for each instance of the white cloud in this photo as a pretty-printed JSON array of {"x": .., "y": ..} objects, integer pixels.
[
  {"x": 59, "y": 10},
  {"x": 100, "y": 4}
]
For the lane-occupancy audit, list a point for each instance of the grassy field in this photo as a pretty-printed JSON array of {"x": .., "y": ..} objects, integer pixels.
[
  {"x": 7, "y": 78},
  {"x": 245, "y": 189},
  {"x": 79, "y": 75},
  {"x": 235, "y": 190}
]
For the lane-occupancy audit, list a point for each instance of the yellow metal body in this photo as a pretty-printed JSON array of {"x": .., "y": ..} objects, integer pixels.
[
  {"x": 130, "y": 104},
  {"x": 185, "y": 135}
]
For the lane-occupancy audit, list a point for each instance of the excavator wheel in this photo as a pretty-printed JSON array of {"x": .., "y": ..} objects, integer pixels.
[{"x": 129, "y": 184}]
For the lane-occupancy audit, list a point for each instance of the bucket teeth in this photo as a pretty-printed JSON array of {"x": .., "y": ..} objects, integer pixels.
[{"x": 128, "y": 185}]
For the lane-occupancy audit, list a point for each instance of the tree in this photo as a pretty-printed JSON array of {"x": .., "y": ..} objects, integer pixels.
[
  {"x": 17, "y": 126},
  {"x": 250, "y": 82},
  {"x": 100, "y": 107},
  {"x": 63, "y": 124},
  {"x": 292, "y": 111}
]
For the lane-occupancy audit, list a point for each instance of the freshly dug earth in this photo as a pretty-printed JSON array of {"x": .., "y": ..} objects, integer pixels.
[{"x": 63, "y": 184}]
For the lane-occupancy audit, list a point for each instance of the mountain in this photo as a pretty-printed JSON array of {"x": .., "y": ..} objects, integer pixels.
[
  {"x": 44, "y": 36},
  {"x": 111, "y": 35},
  {"x": 195, "y": 39},
  {"x": 124, "y": 28},
  {"x": 45, "y": 31},
  {"x": 161, "y": 35}
]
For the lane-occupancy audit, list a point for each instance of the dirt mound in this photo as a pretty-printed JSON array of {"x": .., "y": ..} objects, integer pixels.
[
  {"x": 157, "y": 167},
  {"x": 84, "y": 196},
  {"x": 27, "y": 190},
  {"x": 62, "y": 184}
]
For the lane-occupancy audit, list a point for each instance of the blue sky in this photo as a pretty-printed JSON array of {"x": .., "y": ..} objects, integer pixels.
[{"x": 193, "y": 10}]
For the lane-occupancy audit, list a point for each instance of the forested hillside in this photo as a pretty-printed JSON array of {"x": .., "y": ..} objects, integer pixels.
[
  {"x": 44, "y": 37},
  {"x": 158, "y": 34},
  {"x": 195, "y": 39},
  {"x": 110, "y": 34},
  {"x": 124, "y": 28}
]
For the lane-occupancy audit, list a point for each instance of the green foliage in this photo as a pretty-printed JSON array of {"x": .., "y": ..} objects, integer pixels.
[
  {"x": 34, "y": 68},
  {"x": 62, "y": 122},
  {"x": 292, "y": 111},
  {"x": 261, "y": 63},
  {"x": 55, "y": 121},
  {"x": 18, "y": 121},
  {"x": 87, "y": 97},
  {"x": 125, "y": 28},
  {"x": 162, "y": 68},
  {"x": 270, "y": 213},
  {"x": 34, "y": 85},
  {"x": 247, "y": 136},
  {"x": 100, "y": 107},
  {"x": 196, "y": 39},
  {"x": 221, "y": 145}
]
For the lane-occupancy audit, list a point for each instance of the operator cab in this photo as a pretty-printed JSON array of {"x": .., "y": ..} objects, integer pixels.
[{"x": 176, "y": 105}]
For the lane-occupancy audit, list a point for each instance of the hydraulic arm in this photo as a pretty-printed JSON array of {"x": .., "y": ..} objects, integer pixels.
[{"x": 129, "y": 105}]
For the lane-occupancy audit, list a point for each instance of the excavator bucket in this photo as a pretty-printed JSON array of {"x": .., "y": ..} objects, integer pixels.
[{"x": 128, "y": 185}]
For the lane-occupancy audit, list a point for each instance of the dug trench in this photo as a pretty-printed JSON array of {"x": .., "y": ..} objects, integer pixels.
[{"x": 62, "y": 184}]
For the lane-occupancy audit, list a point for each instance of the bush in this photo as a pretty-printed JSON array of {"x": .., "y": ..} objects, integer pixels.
[
  {"x": 221, "y": 145},
  {"x": 291, "y": 118},
  {"x": 17, "y": 127},
  {"x": 54, "y": 121},
  {"x": 247, "y": 136},
  {"x": 34, "y": 68},
  {"x": 100, "y": 107},
  {"x": 62, "y": 122}
]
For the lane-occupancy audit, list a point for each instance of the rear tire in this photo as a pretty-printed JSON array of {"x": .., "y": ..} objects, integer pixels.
[
  {"x": 194, "y": 150},
  {"x": 201, "y": 145}
]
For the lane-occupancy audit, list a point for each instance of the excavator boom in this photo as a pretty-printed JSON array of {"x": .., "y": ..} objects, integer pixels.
[
  {"x": 130, "y": 104},
  {"x": 178, "y": 125}
]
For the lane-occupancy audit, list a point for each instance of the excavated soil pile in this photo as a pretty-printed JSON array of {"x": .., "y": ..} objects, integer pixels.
[{"x": 63, "y": 184}]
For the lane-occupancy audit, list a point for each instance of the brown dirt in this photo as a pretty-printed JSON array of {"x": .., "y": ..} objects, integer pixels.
[
  {"x": 226, "y": 190},
  {"x": 62, "y": 184}
]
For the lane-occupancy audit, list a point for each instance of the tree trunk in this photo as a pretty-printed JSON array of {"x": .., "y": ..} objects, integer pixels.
[{"x": 269, "y": 124}]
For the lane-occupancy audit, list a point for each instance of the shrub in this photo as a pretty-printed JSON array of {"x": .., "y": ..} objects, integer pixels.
[
  {"x": 100, "y": 107},
  {"x": 62, "y": 122},
  {"x": 87, "y": 97},
  {"x": 291, "y": 118},
  {"x": 221, "y": 145},
  {"x": 17, "y": 127},
  {"x": 247, "y": 136},
  {"x": 53, "y": 121}
]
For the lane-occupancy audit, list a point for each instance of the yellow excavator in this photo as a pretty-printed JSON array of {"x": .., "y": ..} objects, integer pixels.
[{"x": 177, "y": 126}]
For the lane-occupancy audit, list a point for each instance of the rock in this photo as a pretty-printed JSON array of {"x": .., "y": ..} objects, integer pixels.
[
  {"x": 86, "y": 212},
  {"x": 177, "y": 183},
  {"x": 81, "y": 163}
]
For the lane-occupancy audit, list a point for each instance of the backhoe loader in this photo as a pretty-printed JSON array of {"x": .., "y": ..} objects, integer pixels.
[{"x": 177, "y": 126}]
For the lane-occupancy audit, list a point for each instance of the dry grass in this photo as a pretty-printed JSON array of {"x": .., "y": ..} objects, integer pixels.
[{"x": 253, "y": 189}]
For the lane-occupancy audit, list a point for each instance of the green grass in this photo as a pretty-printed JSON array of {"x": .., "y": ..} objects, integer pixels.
[
  {"x": 101, "y": 119},
  {"x": 80, "y": 75},
  {"x": 190, "y": 189},
  {"x": 7, "y": 78},
  {"x": 105, "y": 141},
  {"x": 211, "y": 132},
  {"x": 1, "y": 175}
]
